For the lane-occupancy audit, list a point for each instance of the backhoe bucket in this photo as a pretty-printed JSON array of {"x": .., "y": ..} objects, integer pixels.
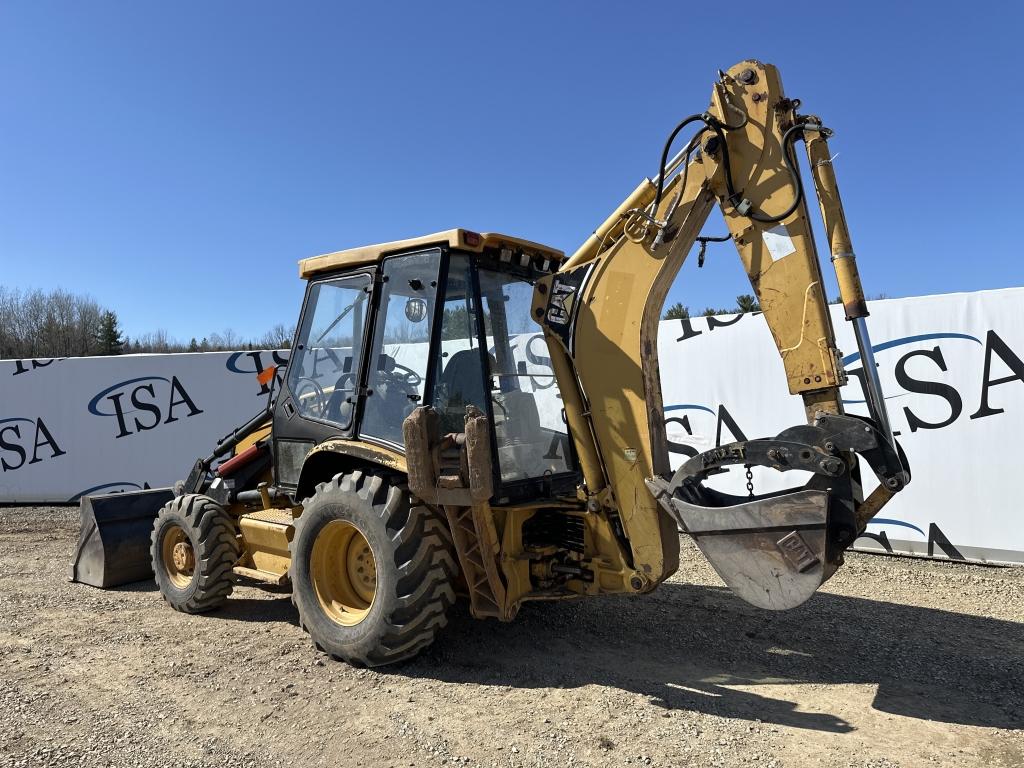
[
  {"x": 775, "y": 550},
  {"x": 771, "y": 552},
  {"x": 113, "y": 546}
]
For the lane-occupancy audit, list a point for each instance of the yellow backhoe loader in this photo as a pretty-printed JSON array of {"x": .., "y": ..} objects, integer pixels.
[{"x": 477, "y": 414}]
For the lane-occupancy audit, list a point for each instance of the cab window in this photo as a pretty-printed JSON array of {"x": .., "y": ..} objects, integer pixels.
[
  {"x": 531, "y": 436},
  {"x": 324, "y": 369},
  {"x": 398, "y": 357},
  {"x": 461, "y": 377}
]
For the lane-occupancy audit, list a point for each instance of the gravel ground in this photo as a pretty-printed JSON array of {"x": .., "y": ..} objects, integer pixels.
[{"x": 896, "y": 662}]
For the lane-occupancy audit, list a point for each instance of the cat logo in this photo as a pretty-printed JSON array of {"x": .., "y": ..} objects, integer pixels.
[{"x": 560, "y": 306}]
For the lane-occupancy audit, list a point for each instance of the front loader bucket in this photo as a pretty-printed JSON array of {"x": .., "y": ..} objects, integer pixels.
[{"x": 113, "y": 546}]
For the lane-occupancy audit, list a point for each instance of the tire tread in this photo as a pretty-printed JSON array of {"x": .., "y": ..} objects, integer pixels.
[
  {"x": 216, "y": 555},
  {"x": 424, "y": 560}
]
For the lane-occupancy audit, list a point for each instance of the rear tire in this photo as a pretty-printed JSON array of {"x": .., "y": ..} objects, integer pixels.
[
  {"x": 194, "y": 547},
  {"x": 355, "y": 524}
]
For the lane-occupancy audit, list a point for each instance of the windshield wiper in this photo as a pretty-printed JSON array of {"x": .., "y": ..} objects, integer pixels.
[{"x": 359, "y": 299}]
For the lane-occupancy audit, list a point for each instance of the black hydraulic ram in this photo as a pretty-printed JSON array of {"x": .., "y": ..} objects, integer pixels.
[{"x": 197, "y": 478}]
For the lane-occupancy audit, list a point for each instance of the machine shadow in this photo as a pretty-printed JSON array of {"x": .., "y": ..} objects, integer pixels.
[
  {"x": 685, "y": 644},
  {"x": 275, "y": 608},
  {"x": 149, "y": 585}
]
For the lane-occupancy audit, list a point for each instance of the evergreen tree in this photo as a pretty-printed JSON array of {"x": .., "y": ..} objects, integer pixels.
[
  {"x": 676, "y": 312},
  {"x": 747, "y": 303},
  {"x": 457, "y": 324},
  {"x": 193, "y": 345},
  {"x": 108, "y": 336}
]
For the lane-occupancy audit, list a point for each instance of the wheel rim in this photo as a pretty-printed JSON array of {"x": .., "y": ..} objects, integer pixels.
[
  {"x": 179, "y": 559},
  {"x": 343, "y": 572}
]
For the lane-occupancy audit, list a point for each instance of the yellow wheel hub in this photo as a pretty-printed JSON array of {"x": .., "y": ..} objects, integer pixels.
[
  {"x": 178, "y": 557},
  {"x": 343, "y": 572}
]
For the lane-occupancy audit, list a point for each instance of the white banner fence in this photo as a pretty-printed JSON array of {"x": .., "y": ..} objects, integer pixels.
[
  {"x": 90, "y": 425},
  {"x": 952, "y": 367}
]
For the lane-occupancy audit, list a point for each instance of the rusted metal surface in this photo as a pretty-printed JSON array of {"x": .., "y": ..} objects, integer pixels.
[
  {"x": 419, "y": 461},
  {"x": 872, "y": 504},
  {"x": 478, "y": 455}
]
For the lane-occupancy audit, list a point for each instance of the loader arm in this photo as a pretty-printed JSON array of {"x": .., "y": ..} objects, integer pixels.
[{"x": 600, "y": 315}]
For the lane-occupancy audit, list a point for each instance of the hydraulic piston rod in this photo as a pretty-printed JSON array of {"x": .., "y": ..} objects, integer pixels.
[{"x": 851, "y": 292}]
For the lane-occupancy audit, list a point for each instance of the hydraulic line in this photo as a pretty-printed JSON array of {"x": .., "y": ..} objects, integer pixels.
[
  {"x": 665, "y": 151},
  {"x": 735, "y": 198},
  {"x": 737, "y": 201}
]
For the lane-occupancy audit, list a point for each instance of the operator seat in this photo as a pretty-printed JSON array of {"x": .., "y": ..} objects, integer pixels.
[
  {"x": 462, "y": 383},
  {"x": 463, "y": 380},
  {"x": 340, "y": 403}
]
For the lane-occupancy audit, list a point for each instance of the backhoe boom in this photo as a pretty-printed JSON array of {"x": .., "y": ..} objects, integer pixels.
[{"x": 600, "y": 314}]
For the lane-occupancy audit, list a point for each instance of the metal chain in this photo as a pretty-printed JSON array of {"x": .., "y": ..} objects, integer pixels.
[{"x": 750, "y": 482}]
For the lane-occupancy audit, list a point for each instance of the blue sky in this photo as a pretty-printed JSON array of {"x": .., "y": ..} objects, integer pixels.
[{"x": 175, "y": 160}]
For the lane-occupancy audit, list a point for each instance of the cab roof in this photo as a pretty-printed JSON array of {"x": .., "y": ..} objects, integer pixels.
[{"x": 463, "y": 239}]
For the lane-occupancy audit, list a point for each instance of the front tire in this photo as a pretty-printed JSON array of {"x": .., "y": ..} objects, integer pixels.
[
  {"x": 194, "y": 548},
  {"x": 372, "y": 573}
]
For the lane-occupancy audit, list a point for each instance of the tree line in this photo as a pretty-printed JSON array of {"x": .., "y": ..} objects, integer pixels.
[
  {"x": 744, "y": 303},
  {"x": 47, "y": 324}
]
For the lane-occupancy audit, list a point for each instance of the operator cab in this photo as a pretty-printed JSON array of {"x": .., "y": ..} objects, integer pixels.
[{"x": 443, "y": 320}]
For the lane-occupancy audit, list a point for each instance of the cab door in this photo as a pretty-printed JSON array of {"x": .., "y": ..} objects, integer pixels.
[
  {"x": 399, "y": 355},
  {"x": 320, "y": 395}
]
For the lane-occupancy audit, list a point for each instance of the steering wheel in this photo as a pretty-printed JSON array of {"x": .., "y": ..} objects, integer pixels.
[
  {"x": 403, "y": 374},
  {"x": 319, "y": 396}
]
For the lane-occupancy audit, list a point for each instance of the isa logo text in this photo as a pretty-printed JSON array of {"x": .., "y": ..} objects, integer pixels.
[
  {"x": 144, "y": 403},
  {"x": 26, "y": 441}
]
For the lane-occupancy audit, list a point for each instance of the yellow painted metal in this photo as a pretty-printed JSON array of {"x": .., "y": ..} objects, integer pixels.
[
  {"x": 613, "y": 367},
  {"x": 277, "y": 579},
  {"x": 603, "y": 555},
  {"x": 515, "y": 563},
  {"x": 606, "y": 559},
  {"x": 779, "y": 257},
  {"x": 640, "y": 197},
  {"x": 462, "y": 239},
  {"x": 266, "y": 535},
  {"x": 609, "y": 379},
  {"x": 178, "y": 557},
  {"x": 575, "y": 410},
  {"x": 851, "y": 292},
  {"x": 615, "y": 340},
  {"x": 475, "y": 536},
  {"x": 250, "y": 440},
  {"x": 343, "y": 573}
]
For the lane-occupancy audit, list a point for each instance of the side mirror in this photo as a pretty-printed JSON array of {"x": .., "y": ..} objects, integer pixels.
[{"x": 415, "y": 310}]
